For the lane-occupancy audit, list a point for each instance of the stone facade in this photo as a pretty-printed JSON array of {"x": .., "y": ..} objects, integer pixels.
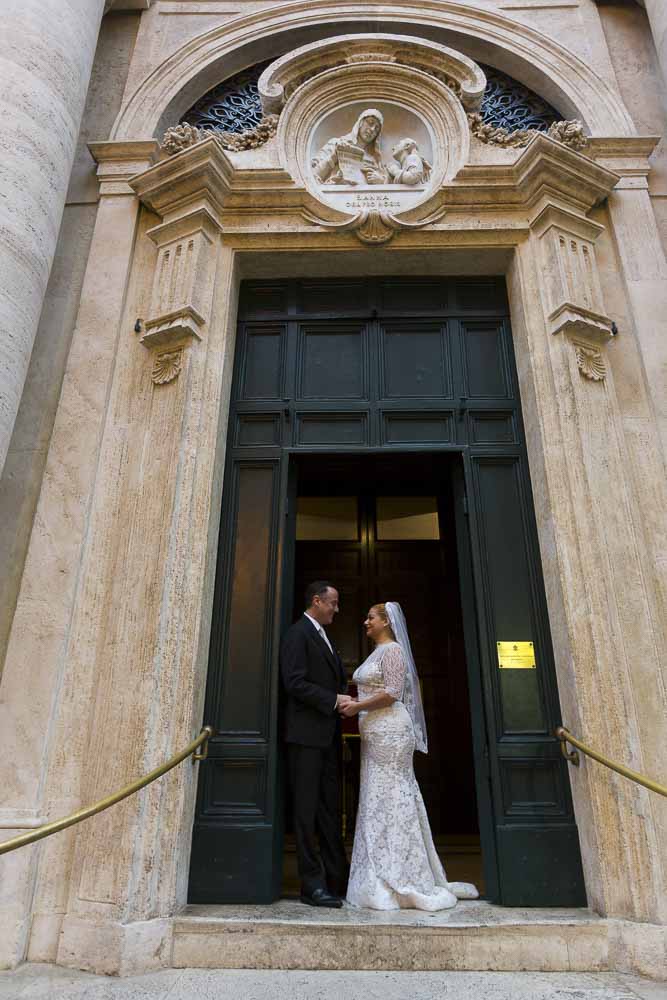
[{"x": 121, "y": 429}]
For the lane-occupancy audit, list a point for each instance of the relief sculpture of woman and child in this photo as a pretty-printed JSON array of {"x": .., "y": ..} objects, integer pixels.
[{"x": 355, "y": 158}]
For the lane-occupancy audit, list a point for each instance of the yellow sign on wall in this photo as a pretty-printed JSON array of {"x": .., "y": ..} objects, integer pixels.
[{"x": 516, "y": 655}]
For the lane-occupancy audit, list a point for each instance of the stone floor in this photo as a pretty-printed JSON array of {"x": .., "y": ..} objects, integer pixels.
[{"x": 45, "y": 982}]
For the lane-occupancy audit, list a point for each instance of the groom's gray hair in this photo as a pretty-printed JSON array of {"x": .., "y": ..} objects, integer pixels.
[{"x": 316, "y": 589}]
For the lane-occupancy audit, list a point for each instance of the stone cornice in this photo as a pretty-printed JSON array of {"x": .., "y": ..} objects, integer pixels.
[
  {"x": 545, "y": 167},
  {"x": 629, "y": 158},
  {"x": 205, "y": 170},
  {"x": 545, "y": 173},
  {"x": 123, "y": 6},
  {"x": 118, "y": 161}
]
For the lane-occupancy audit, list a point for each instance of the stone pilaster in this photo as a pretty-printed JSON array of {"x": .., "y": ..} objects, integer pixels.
[
  {"x": 43, "y": 706},
  {"x": 151, "y": 558},
  {"x": 607, "y": 644},
  {"x": 47, "y": 54}
]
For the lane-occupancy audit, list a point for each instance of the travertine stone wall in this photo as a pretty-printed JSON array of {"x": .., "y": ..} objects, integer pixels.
[{"x": 47, "y": 54}]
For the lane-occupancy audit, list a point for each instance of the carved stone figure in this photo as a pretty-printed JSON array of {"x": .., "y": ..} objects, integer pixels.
[
  {"x": 354, "y": 158},
  {"x": 410, "y": 168}
]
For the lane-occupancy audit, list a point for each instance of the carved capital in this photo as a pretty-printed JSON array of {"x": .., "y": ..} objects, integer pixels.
[
  {"x": 182, "y": 290},
  {"x": 578, "y": 321},
  {"x": 182, "y": 282},
  {"x": 119, "y": 161}
]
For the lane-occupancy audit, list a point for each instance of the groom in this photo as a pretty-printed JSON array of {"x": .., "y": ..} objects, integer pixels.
[{"x": 315, "y": 682}]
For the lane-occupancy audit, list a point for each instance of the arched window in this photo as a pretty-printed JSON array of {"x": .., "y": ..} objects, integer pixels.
[{"x": 234, "y": 105}]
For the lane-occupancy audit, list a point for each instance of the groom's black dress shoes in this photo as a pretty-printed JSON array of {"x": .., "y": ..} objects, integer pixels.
[{"x": 321, "y": 897}]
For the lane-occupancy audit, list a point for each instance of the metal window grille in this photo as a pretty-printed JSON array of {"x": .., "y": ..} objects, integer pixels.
[{"x": 234, "y": 105}]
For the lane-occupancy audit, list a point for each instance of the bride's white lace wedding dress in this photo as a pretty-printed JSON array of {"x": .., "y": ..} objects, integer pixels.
[{"x": 394, "y": 861}]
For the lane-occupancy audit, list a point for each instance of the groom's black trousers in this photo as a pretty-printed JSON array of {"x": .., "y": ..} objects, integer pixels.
[{"x": 314, "y": 780}]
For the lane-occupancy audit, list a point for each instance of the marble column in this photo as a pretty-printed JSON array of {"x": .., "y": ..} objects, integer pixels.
[{"x": 47, "y": 54}]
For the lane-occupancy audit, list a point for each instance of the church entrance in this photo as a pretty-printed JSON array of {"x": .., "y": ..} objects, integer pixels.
[
  {"x": 384, "y": 528},
  {"x": 384, "y": 413}
]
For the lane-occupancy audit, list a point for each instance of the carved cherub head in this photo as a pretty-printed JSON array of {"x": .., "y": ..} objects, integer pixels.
[
  {"x": 410, "y": 168},
  {"x": 403, "y": 149}
]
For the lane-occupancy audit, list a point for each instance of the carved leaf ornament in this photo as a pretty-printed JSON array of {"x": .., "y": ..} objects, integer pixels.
[{"x": 511, "y": 115}]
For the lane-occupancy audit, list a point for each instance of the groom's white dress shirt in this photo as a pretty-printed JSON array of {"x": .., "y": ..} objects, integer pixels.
[{"x": 318, "y": 628}]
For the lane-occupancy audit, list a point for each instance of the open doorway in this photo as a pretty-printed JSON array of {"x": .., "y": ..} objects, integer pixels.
[
  {"x": 399, "y": 392},
  {"x": 383, "y": 528}
]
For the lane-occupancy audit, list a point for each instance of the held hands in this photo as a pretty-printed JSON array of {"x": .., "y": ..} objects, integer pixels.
[{"x": 347, "y": 706}]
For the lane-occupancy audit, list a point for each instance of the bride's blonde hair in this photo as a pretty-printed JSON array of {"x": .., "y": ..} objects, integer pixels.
[{"x": 382, "y": 610}]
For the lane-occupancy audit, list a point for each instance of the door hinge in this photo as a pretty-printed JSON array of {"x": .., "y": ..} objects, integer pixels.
[
  {"x": 465, "y": 504},
  {"x": 287, "y": 507}
]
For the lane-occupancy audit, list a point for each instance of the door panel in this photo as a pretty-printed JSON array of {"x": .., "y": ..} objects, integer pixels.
[
  {"x": 237, "y": 790},
  {"x": 530, "y": 786},
  {"x": 383, "y": 366}
]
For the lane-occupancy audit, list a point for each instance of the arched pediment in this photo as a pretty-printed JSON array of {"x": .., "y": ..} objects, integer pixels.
[{"x": 528, "y": 55}]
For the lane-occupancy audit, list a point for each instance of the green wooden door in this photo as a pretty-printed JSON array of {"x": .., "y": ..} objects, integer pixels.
[{"x": 382, "y": 365}]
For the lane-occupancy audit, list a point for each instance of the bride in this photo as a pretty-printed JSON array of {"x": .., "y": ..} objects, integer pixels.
[{"x": 394, "y": 861}]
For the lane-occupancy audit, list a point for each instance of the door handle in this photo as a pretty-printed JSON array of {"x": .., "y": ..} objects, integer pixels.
[{"x": 461, "y": 408}]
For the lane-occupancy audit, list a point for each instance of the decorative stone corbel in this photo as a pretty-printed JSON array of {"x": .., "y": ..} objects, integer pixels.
[
  {"x": 572, "y": 292},
  {"x": 182, "y": 287}
]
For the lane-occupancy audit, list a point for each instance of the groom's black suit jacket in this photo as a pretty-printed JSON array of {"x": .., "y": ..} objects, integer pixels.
[{"x": 312, "y": 676}]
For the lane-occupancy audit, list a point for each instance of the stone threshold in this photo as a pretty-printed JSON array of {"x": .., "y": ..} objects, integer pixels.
[{"x": 475, "y": 936}]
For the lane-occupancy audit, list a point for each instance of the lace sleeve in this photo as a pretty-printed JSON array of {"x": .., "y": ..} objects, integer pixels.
[{"x": 393, "y": 671}]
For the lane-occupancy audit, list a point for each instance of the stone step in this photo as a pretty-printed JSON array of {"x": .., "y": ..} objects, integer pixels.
[{"x": 476, "y": 936}]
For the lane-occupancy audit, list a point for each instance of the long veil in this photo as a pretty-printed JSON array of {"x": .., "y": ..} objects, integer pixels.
[{"x": 412, "y": 698}]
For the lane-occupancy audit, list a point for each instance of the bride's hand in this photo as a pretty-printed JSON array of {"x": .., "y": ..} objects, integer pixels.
[{"x": 350, "y": 709}]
